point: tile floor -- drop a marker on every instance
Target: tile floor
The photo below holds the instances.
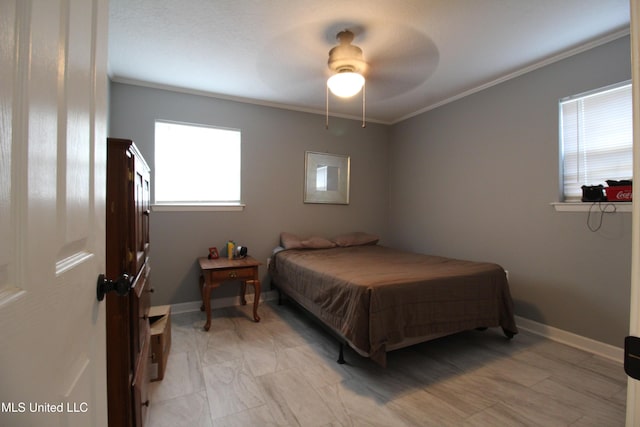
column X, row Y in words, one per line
column 282, row 372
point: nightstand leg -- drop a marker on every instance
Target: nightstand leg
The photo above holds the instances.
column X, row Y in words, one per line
column 201, row 282
column 256, row 299
column 243, row 290
column 206, row 297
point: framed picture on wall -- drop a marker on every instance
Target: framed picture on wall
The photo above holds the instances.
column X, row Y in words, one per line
column 326, row 178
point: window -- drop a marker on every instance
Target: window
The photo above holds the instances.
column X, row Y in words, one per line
column 596, row 138
column 196, row 165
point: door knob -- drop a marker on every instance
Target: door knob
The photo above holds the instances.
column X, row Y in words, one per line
column 120, row 285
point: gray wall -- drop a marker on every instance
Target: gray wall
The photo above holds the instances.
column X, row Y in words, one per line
column 473, row 179
column 274, row 142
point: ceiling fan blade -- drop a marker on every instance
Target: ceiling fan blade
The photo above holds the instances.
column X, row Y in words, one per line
column 393, row 71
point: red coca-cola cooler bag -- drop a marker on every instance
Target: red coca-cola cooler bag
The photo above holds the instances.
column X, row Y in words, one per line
column 619, row 191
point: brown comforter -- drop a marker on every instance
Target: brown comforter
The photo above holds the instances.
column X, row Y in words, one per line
column 376, row 297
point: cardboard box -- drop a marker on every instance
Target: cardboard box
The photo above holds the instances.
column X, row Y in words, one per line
column 619, row 193
column 160, row 319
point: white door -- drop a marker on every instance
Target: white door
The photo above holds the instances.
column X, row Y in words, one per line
column 53, row 100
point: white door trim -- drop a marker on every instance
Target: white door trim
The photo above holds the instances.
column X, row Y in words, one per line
column 633, row 386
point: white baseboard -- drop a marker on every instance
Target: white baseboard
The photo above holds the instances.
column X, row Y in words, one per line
column 216, row 303
column 601, row 349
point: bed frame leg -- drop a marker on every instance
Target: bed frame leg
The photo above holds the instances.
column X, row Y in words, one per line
column 341, row 355
column 508, row 334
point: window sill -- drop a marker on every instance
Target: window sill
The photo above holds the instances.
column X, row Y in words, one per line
column 199, row 208
column 585, row 206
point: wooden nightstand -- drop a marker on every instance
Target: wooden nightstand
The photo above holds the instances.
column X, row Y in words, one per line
column 214, row 272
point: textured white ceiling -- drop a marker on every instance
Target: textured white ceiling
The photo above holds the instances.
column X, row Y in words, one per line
column 421, row 53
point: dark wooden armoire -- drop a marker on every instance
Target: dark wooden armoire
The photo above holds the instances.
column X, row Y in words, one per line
column 127, row 316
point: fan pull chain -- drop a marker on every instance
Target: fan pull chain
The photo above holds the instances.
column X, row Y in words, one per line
column 364, row 87
column 326, row 123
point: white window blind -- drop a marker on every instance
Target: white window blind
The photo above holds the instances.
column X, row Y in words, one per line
column 196, row 165
column 596, row 138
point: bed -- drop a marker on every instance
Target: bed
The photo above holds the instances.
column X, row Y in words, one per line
column 378, row 299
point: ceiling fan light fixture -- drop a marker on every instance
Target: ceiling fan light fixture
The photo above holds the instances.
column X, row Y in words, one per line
column 345, row 84
column 346, row 61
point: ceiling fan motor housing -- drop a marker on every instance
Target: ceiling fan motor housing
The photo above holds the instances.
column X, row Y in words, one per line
column 345, row 56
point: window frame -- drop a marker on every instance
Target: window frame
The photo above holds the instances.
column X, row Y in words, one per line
column 177, row 206
column 570, row 203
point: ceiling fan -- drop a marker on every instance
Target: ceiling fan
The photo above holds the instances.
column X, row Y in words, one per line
column 392, row 58
column 348, row 65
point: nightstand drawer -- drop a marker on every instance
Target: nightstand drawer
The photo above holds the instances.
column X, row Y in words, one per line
column 232, row 274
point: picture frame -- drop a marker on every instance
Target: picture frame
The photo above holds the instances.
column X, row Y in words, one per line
column 327, row 178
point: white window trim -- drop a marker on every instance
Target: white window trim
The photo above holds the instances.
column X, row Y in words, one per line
column 198, row 207
column 571, row 204
column 194, row 206
column 622, row 207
